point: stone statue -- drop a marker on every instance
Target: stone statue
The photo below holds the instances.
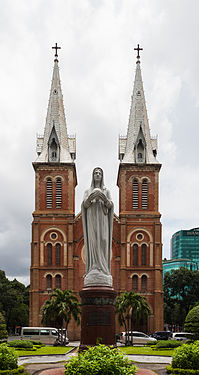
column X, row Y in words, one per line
column 97, row 218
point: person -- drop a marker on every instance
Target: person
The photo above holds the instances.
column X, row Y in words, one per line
column 97, row 218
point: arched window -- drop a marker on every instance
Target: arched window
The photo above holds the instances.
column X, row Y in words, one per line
column 144, row 283
column 135, row 283
column 143, row 254
column 49, row 193
column 58, row 254
column 58, row 193
column 49, row 254
column 48, row 282
column 135, row 254
column 135, row 193
column 144, row 194
column 58, row 281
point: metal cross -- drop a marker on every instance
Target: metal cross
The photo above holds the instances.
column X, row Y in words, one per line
column 138, row 49
column 56, row 48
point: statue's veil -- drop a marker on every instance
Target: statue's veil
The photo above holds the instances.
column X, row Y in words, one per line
column 93, row 182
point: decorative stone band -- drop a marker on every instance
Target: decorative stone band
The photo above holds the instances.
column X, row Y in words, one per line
column 98, row 301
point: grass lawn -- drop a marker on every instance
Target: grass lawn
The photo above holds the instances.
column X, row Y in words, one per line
column 46, row 350
column 145, row 350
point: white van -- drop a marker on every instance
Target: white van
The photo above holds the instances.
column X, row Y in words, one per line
column 47, row 335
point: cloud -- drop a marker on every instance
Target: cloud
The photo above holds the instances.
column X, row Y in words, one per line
column 97, row 65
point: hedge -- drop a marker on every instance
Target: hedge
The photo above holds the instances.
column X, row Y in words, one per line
column 162, row 344
column 21, row 344
column 19, row 370
column 180, row 371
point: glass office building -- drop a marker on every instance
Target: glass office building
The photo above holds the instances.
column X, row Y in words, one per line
column 175, row 264
column 185, row 244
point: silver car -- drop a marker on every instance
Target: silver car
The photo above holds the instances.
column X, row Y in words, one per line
column 138, row 338
column 181, row 336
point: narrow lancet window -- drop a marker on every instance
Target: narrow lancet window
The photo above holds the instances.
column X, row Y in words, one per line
column 58, row 254
column 48, row 282
column 58, row 281
column 143, row 254
column 135, row 193
column 135, row 254
column 135, row 283
column 49, row 254
column 144, row 194
column 58, row 193
column 144, row 283
column 49, row 189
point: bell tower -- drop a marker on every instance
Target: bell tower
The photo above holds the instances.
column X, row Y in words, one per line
column 138, row 182
column 53, row 217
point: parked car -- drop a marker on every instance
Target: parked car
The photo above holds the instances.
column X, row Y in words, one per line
column 161, row 335
column 138, row 338
column 181, row 336
column 47, row 335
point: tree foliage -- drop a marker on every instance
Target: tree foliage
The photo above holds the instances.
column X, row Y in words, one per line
column 131, row 308
column 3, row 330
column 62, row 306
column 192, row 322
column 14, row 300
column 181, row 292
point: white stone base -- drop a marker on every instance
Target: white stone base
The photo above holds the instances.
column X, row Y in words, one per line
column 98, row 278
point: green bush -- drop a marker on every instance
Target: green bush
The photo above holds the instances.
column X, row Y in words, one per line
column 19, row 370
column 186, row 357
column 38, row 343
column 8, row 358
column 162, row 344
column 21, row 344
column 100, row 360
column 3, row 330
column 192, row 322
column 180, row 371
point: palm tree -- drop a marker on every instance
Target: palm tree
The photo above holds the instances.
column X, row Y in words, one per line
column 131, row 307
column 62, row 306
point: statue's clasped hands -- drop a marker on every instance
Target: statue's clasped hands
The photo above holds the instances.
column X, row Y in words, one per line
column 97, row 194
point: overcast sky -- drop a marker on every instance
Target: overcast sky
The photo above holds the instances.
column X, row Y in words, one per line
column 97, row 67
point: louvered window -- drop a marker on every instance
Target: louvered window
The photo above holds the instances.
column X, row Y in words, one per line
column 144, row 194
column 143, row 254
column 135, row 193
column 144, row 283
column 135, row 254
column 135, row 283
column 58, row 254
column 49, row 254
column 58, row 193
column 49, row 193
column 48, row 282
column 58, row 281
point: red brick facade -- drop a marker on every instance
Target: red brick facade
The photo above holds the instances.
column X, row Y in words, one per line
column 136, row 251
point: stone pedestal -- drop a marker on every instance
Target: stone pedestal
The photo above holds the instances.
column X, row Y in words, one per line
column 98, row 316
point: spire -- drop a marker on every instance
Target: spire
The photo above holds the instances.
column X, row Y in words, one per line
column 138, row 146
column 55, row 145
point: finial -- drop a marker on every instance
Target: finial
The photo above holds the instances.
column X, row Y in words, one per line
column 138, row 55
column 56, row 48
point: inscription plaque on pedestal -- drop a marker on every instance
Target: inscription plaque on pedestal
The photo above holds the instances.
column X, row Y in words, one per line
column 99, row 318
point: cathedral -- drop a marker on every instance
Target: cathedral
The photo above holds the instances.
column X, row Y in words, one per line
column 57, row 247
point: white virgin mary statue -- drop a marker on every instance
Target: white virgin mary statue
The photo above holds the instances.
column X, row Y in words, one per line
column 97, row 218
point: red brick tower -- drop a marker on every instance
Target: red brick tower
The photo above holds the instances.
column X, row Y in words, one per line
column 138, row 180
column 53, row 218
